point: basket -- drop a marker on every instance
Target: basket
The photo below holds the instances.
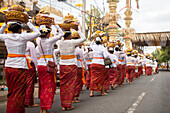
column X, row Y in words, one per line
column 18, row 16
column 67, row 27
column 44, row 20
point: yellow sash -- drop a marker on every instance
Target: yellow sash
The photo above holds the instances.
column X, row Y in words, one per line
column 89, row 60
column 120, row 60
column 83, row 78
column 47, row 56
column 66, row 57
column 12, row 55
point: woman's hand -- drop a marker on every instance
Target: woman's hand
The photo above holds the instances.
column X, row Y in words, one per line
column 57, row 26
column 6, row 20
column 88, row 72
column 56, row 69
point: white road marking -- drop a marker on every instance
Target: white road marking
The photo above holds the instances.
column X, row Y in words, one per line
column 153, row 79
column 135, row 104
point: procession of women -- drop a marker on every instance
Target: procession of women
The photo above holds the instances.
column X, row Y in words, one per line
column 98, row 66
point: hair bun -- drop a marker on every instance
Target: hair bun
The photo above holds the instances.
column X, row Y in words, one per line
column 14, row 27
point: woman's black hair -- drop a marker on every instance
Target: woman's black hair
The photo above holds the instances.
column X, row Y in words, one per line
column 111, row 51
column 117, row 48
column 75, row 38
column 101, row 39
column 44, row 34
column 14, row 27
column 67, row 34
column 48, row 30
column 89, row 49
column 98, row 42
column 128, row 54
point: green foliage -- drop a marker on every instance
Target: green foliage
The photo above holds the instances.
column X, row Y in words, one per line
column 162, row 55
column 96, row 19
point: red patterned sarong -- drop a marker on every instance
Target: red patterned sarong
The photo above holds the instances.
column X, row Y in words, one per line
column 47, row 87
column 136, row 74
column 98, row 77
column 107, row 81
column 130, row 72
column 88, row 77
column 123, row 73
column 16, row 83
column 139, row 71
column 68, row 74
column 29, row 99
column 119, row 74
column 79, row 83
column 148, row 70
column 113, row 75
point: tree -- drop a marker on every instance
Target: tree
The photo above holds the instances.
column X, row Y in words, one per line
column 163, row 55
column 96, row 19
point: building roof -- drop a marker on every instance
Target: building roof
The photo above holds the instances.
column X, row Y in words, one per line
column 151, row 39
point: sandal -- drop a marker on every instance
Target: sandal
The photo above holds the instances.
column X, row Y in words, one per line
column 76, row 101
column 103, row 94
column 34, row 105
column 112, row 87
column 91, row 95
column 66, row 108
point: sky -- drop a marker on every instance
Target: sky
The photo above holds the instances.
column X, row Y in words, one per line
column 153, row 15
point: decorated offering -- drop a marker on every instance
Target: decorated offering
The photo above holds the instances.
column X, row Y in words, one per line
column 17, row 14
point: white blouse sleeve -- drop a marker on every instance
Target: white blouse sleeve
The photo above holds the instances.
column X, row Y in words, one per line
column 33, row 54
column 92, row 44
column 105, row 53
column 4, row 26
column 31, row 36
column 38, row 52
column 2, row 36
column 79, row 41
column 58, row 37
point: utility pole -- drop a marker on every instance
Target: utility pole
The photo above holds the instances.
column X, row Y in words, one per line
column 90, row 20
column 50, row 6
column 103, row 7
column 83, row 17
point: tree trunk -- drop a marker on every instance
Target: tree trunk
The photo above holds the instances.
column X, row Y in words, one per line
column 167, row 66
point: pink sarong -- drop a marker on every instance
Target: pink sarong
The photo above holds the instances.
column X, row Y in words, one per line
column 123, row 73
column 47, row 87
column 119, row 74
column 113, row 76
column 16, row 83
column 97, row 77
column 139, row 71
column 88, row 77
column 135, row 74
column 68, row 74
column 148, row 70
column 29, row 99
column 107, row 81
column 79, row 83
column 130, row 73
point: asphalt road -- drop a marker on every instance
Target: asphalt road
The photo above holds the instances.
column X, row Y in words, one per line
column 146, row 95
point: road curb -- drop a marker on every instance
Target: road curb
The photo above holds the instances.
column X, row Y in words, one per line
column 3, row 98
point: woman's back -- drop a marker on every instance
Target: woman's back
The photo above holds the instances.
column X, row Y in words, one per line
column 16, row 44
column 99, row 53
